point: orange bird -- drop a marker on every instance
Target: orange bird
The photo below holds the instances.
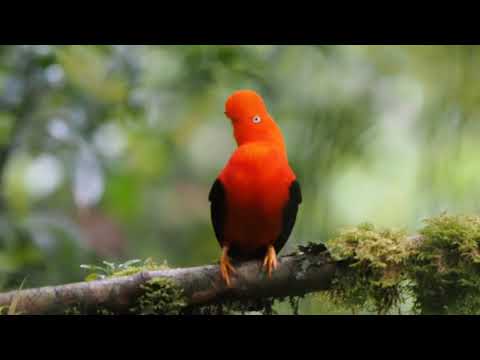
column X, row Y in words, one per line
column 255, row 199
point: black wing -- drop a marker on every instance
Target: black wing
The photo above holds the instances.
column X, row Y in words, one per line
column 289, row 215
column 217, row 209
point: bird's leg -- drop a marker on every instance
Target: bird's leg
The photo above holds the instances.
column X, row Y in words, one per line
column 270, row 261
column 226, row 267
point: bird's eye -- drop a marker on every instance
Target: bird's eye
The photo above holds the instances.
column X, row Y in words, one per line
column 256, row 119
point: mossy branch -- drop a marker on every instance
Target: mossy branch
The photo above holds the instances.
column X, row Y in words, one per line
column 363, row 268
column 296, row 275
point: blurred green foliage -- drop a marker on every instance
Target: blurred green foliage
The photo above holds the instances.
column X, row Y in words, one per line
column 108, row 152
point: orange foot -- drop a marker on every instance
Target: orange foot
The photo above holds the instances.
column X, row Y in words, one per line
column 270, row 261
column 226, row 268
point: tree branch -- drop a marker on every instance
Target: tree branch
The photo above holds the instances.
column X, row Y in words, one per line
column 296, row 274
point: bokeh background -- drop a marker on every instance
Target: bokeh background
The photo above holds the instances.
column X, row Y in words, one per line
column 108, row 152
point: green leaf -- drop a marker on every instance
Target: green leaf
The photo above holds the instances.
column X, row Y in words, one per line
column 129, row 263
column 109, row 264
column 92, row 277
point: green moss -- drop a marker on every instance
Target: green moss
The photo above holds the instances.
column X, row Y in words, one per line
column 235, row 307
column 162, row 296
column 104, row 311
column 372, row 263
column 446, row 268
column 81, row 310
column 73, row 310
column 379, row 269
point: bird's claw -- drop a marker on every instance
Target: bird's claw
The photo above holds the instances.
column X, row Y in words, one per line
column 270, row 262
column 226, row 268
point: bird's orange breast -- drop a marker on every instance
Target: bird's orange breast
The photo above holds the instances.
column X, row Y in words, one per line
column 256, row 181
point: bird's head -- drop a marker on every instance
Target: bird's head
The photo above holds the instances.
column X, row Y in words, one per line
column 251, row 120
